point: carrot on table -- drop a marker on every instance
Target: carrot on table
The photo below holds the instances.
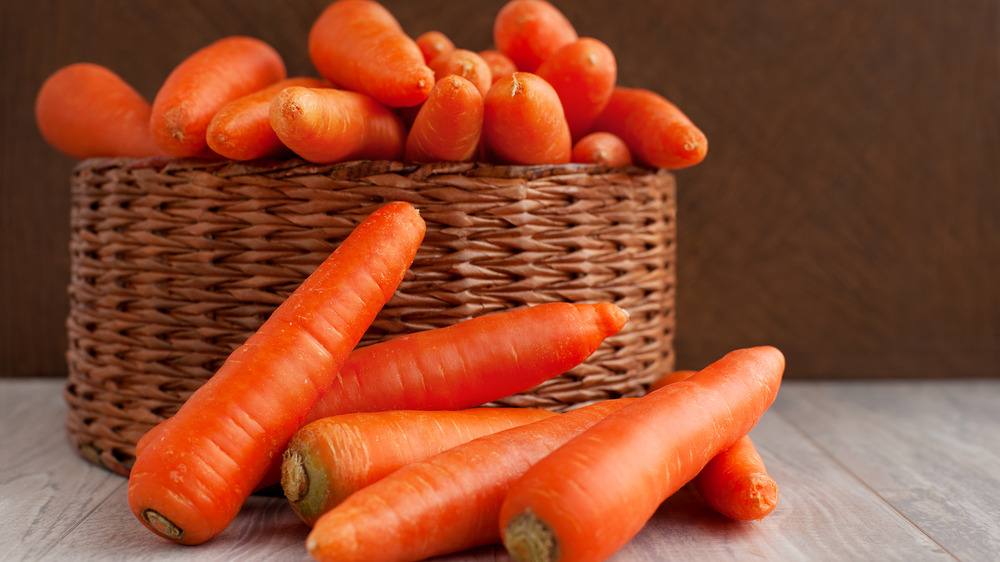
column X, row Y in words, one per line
column 447, row 502
column 583, row 73
column 587, row 499
column 241, row 130
column 86, row 110
column 499, row 63
column 324, row 125
column 659, row 134
column 449, row 124
column 433, row 43
column 333, row 457
column 736, row 483
column 601, row 148
column 524, row 122
column 465, row 63
column 530, row 31
column 201, row 84
column 358, row 45
column 192, row 477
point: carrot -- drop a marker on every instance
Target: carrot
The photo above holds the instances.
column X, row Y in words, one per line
column 587, row 499
column 358, row 45
column 670, row 378
column 447, row 502
column 201, row 84
column 189, row 482
column 524, row 122
column 325, row 125
column 656, row 131
column 601, row 148
column 530, row 31
column 433, row 43
column 449, row 124
column 736, row 484
column 85, row 110
column 331, row 458
column 499, row 63
column 583, row 73
column 464, row 63
column 241, row 129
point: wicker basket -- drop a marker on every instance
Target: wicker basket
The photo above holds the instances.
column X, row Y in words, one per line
column 176, row 262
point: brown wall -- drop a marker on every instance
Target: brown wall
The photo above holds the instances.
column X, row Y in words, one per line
column 848, row 212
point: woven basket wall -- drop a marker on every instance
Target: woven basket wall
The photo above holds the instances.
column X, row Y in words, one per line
column 176, row 262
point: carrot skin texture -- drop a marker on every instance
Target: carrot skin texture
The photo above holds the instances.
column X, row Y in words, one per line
column 658, row 133
column 587, row 499
column 86, row 110
column 241, row 130
column 447, row 502
column 197, row 88
column 449, row 124
column 524, row 122
column 583, row 73
column 530, row 31
column 191, row 479
column 434, row 43
column 324, row 125
column 735, row 483
column 358, row 45
column 601, row 148
column 499, row 63
column 333, row 457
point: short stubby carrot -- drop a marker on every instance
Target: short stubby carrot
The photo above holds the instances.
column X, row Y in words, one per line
column 192, row 477
column 465, row 63
column 331, row 458
column 359, row 45
column 86, row 110
column 583, row 73
column 587, row 499
column 324, row 125
column 434, row 43
column 447, row 502
column 736, row 483
column 530, row 31
column 524, row 122
column 449, row 124
column 601, row 148
column 197, row 88
column 499, row 63
column 658, row 133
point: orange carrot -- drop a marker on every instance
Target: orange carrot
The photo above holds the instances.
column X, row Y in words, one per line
column 85, row 110
column 524, row 122
column 331, row 458
column 434, row 43
column 601, row 148
column 656, row 131
column 358, row 45
column 464, row 63
column 208, row 79
column 736, row 484
column 447, row 502
column 241, row 129
column 325, row 125
column 530, row 31
column 670, row 378
column 583, row 73
column 500, row 64
column 449, row 124
column 189, row 482
column 590, row 497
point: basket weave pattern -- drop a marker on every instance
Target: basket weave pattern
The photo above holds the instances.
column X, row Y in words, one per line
column 174, row 263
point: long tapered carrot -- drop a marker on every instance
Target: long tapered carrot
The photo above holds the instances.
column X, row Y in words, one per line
column 358, row 45
column 524, row 122
column 85, row 110
column 203, row 83
column 601, row 148
column 530, row 31
column 331, row 458
column 190, row 481
column 465, row 63
column 449, row 124
column 241, row 130
column 325, row 125
column 447, row 502
column 587, row 499
column 658, row 133
column 583, row 73
column 736, row 483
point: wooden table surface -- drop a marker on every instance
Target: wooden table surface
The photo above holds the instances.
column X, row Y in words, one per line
column 868, row 470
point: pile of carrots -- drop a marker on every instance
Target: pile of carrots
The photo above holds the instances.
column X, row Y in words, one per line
column 542, row 96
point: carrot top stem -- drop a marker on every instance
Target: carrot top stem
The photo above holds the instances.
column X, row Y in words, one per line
column 529, row 538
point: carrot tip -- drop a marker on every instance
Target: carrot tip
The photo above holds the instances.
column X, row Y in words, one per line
column 529, row 539
column 161, row 525
column 294, row 478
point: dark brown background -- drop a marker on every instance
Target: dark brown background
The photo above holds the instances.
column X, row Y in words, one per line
column 848, row 211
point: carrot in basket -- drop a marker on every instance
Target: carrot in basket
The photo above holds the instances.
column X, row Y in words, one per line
column 530, row 31
column 524, row 122
column 464, row 63
column 433, row 43
column 358, row 45
column 449, row 124
column 191, row 479
column 583, row 73
column 324, row 125
column 447, row 502
column 85, row 110
column 601, row 148
column 333, row 457
column 499, row 63
column 656, row 131
column 206, row 80
column 591, row 496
